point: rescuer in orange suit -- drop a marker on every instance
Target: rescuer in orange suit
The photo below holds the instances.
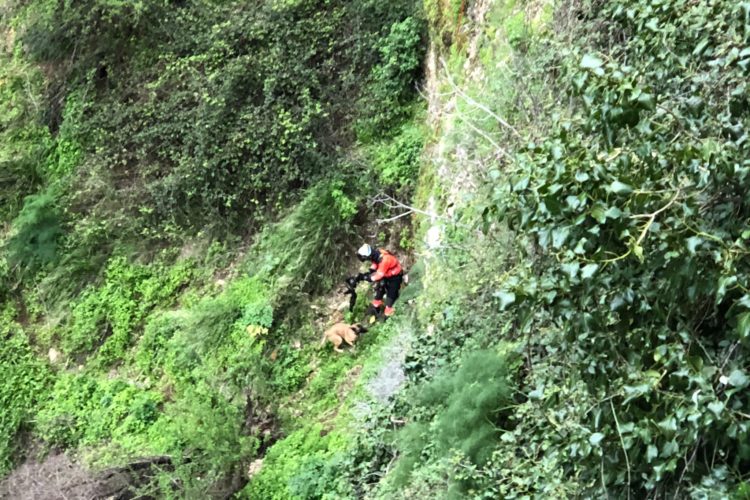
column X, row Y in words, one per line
column 385, row 273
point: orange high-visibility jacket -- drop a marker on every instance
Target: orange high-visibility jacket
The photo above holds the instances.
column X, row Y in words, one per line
column 388, row 267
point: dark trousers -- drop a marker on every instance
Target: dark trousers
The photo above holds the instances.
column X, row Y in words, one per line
column 389, row 288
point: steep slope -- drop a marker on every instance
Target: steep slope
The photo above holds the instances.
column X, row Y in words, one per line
column 572, row 206
column 581, row 328
column 181, row 182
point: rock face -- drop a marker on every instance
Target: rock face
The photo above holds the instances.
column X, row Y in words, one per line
column 59, row 477
column 254, row 468
column 391, row 376
column 54, row 355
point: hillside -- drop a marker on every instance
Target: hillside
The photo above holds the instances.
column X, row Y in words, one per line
column 185, row 184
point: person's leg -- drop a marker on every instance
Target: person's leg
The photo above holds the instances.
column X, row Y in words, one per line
column 392, row 287
column 377, row 302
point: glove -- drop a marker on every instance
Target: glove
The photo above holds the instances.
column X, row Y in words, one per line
column 364, row 277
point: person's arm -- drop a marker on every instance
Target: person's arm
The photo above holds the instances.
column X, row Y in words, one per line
column 381, row 269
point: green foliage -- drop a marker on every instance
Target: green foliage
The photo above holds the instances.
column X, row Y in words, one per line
column 25, row 383
column 466, row 405
column 397, row 161
column 203, row 430
column 211, row 339
column 92, row 30
column 152, row 119
column 392, row 85
column 346, row 206
column 23, row 139
column 516, row 30
column 305, row 465
column 36, row 231
column 85, row 410
column 68, row 151
column 630, row 214
column 107, row 316
column 153, row 347
column 301, row 251
column 212, row 127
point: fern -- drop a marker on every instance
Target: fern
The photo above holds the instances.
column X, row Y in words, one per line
column 465, row 404
column 37, row 229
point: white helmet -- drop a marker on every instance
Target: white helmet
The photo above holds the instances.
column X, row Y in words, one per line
column 364, row 252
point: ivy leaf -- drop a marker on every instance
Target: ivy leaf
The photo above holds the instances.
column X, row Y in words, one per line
column 521, row 184
column 738, row 379
column 668, row 425
column 692, row 243
column 613, row 213
column 618, row 187
column 559, row 235
column 744, row 301
column 596, row 438
column 590, row 61
column 651, row 453
column 589, row 270
column 716, row 407
column 573, row 202
column 599, row 214
column 724, row 283
column 743, row 325
column 506, row 298
column 571, row 269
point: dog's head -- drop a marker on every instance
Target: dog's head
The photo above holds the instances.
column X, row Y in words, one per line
column 358, row 328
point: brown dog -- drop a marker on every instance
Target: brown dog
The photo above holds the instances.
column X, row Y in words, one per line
column 342, row 332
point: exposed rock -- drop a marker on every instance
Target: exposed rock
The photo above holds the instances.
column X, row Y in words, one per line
column 254, row 468
column 54, row 355
column 59, row 477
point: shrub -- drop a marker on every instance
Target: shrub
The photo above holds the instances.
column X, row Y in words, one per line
column 36, row 231
column 26, row 382
column 215, row 128
column 630, row 214
column 392, row 85
column 153, row 347
column 108, row 316
column 86, row 410
column 303, row 465
column 203, row 431
column 303, row 251
column 397, row 161
column 466, row 405
column 24, row 140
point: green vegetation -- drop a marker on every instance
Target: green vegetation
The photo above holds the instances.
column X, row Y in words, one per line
column 469, row 403
column 397, row 161
column 180, row 183
column 25, row 381
column 184, row 185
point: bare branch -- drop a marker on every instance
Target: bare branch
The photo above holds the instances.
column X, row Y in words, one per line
column 475, row 103
column 394, row 204
column 498, row 148
column 391, row 219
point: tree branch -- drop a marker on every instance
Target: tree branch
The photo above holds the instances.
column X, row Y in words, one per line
column 393, row 204
column 476, row 104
